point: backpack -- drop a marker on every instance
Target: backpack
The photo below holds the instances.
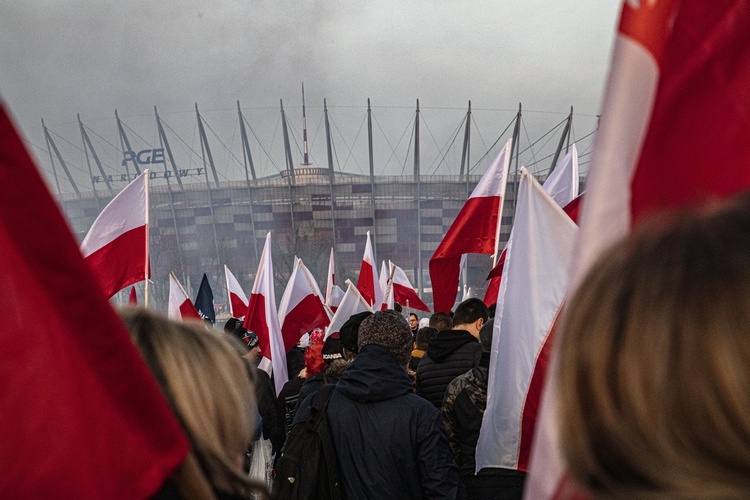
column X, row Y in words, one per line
column 308, row 468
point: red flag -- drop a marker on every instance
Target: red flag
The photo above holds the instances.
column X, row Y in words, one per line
column 368, row 283
column 116, row 246
column 263, row 318
column 301, row 309
column 81, row 416
column 237, row 297
column 673, row 131
column 475, row 230
column 133, row 299
column 180, row 305
column 404, row 293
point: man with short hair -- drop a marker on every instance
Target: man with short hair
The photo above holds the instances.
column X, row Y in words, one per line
column 424, row 335
column 441, row 321
column 413, row 324
column 389, row 442
column 452, row 352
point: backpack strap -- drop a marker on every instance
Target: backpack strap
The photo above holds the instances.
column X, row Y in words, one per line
column 319, row 422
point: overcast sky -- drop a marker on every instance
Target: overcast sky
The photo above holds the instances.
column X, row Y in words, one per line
column 63, row 57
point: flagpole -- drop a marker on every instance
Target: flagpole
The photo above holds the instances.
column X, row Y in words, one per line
column 145, row 264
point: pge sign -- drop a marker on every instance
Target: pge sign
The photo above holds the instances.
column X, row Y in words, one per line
column 143, row 157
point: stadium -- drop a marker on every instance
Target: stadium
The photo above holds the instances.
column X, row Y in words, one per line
column 207, row 212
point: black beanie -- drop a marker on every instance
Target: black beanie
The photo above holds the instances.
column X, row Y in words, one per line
column 349, row 332
column 332, row 348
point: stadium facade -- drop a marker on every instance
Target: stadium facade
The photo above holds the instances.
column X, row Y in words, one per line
column 198, row 223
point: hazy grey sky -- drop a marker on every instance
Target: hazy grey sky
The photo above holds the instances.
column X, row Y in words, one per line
column 62, row 57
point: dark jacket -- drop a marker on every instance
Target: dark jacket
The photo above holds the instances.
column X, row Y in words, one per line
column 311, row 386
column 451, row 353
column 390, row 443
column 463, row 409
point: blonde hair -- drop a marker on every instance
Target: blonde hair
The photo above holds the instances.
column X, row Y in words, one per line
column 207, row 384
column 654, row 366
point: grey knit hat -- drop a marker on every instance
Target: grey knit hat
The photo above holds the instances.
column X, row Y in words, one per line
column 390, row 330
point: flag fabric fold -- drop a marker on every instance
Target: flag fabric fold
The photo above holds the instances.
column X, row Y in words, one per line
column 532, row 291
column 475, row 230
column 334, row 293
column 351, row 304
column 204, row 301
column 180, row 305
column 404, row 293
column 116, row 246
column 677, row 81
column 133, row 298
column 237, row 297
column 71, row 400
column 301, row 309
column 262, row 317
column 368, row 282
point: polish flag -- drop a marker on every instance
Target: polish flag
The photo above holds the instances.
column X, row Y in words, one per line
column 368, row 283
column 82, row 415
column 237, row 297
column 678, row 81
column 538, row 257
column 301, row 309
column 180, row 305
column 133, row 299
column 386, row 284
column 116, row 246
column 352, row 303
column 334, row 293
column 562, row 186
column 263, row 318
column 404, row 293
column 475, row 230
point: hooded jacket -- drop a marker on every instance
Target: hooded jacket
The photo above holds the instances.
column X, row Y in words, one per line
column 451, row 353
column 390, row 443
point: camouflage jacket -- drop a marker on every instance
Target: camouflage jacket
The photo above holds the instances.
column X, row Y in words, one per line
column 463, row 407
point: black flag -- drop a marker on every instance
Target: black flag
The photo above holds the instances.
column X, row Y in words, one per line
column 204, row 301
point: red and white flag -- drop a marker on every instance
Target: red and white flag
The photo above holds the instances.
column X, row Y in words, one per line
column 237, row 297
column 334, row 293
column 562, row 186
column 116, row 246
column 262, row 318
column 74, row 400
column 404, row 293
column 537, row 260
column 352, row 303
column 180, row 305
column 678, row 82
column 133, row 298
column 386, row 284
column 368, row 282
column 301, row 309
column 475, row 230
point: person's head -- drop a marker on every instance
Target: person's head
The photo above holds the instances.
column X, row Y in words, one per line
column 470, row 315
column 206, row 383
column 349, row 334
column 249, row 340
column 654, row 362
column 314, row 358
column 424, row 335
column 413, row 321
column 485, row 335
column 390, row 330
column 441, row 321
column 332, row 349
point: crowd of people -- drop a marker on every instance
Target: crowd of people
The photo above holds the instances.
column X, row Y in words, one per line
column 652, row 371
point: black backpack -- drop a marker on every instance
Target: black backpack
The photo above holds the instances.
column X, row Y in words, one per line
column 308, row 468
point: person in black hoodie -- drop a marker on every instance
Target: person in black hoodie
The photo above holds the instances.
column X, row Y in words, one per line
column 389, row 442
column 452, row 352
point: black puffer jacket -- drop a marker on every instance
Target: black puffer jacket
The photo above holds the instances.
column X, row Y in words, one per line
column 390, row 443
column 451, row 353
